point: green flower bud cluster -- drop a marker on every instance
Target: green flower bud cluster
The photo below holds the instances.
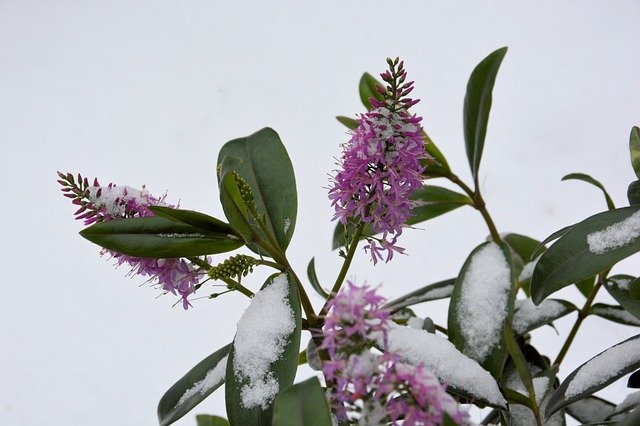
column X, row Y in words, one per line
column 246, row 193
column 235, row 266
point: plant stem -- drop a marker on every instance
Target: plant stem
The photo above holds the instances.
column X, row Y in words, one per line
column 345, row 268
column 584, row 312
column 478, row 204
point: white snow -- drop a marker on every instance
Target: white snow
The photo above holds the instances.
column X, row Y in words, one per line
column 263, row 331
column 113, row 199
column 287, row 225
column 439, row 356
column 616, row 235
column 604, row 366
column 527, row 270
column 590, row 408
column 523, row 416
column 630, row 402
column 528, row 314
column 622, row 283
column 620, row 314
column 482, row 307
column 415, row 322
column 214, row 377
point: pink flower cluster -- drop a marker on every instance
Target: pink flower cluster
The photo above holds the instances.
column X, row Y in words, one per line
column 372, row 388
column 112, row 202
column 380, row 166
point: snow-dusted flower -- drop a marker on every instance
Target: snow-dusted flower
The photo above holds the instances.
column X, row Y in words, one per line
column 377, row 388
column 380, row 166
column 112, row 202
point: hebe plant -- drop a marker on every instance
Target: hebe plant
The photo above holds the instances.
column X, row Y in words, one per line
column 378, row 363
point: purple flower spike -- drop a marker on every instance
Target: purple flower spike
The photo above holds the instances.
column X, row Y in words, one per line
column 380, row 166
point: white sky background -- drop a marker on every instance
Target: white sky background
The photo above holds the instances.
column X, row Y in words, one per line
column 147, row 92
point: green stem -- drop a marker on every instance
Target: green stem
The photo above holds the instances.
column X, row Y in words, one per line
column 235, row 285
column 345, row 268
column 584, row 312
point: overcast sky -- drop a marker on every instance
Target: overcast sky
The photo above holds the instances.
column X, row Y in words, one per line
column 143, row 92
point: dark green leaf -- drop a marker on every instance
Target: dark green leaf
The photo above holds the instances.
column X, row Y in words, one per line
column 492, row 418
column 283, row 369
column 519, row 361
column 367, row 90
column 594, row 182
column 192, row 389
column 597, row 373
column 431, row 201
column 267, row 169
column 541, row 247
column 313, row 279
column 590, row 410
column 522, row 245
column 633, row 193
column 587, row 249
column 350, row 123
column 313, row 358
column 470, row 318
column 634, row 289
column 514, row 397
column 634, row 380
column 157, row 237
column 586, row 286
column 194, row 218
column 439, row 290
column 438, row 168
column 615, row 314
column 302, row 404
column 207, row 420
column 634, row 149
column 477, row 105
column 618, row 287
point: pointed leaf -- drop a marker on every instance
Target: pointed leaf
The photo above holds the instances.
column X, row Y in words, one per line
column 618, row 287
column 477, row 105
column 264, row 356
column 586, row 178
column 313, row 279
column 267, row 169
column 483, row 298
column 590, row 410
column 302, row 404
column 157, row 237
column 207, row 376
column 522, row 245
column 634, row 149
column 439, row 290
column 194, row 218
column 615, row 314
column 367, row 89
column 588, row 248
column 207, row 420
column 559, row 233
column 350, row 123
column 597, row 373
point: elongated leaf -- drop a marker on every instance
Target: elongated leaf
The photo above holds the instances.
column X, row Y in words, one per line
column 634, row 149
column 597, row 373
column 615, row 314
column 266, row 167
column 440, row 167
column 464, row 376
column 313, row 279
column 618, row 287
column 350, row 123
column 302, row 404
column 586, row 286
column 483, row 298
column 522, row 245
column 588, row 248
column 477, row 106
column 207, row 376
column 207, row 420
column 194, row 218
column 541, row 247
column 367, row 89
column 586, row 178
column 633, row 193
column 439, row 290
column 157, row 237
column 634, row 289
column 264, row 356
column 431, row 201
column 528, row 316
column 590, row 410
column 518, row 360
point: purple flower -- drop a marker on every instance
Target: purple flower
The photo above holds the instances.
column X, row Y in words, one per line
column 380, row 166
column 112, row 202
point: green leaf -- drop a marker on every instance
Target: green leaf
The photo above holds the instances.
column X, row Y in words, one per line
column 266, row 167
column 618, row 287
column 313, row 279
column 350, row 123
column 441, row 167
column 615, row 314
column 477, row 105
column 367, row 90
column 483, row 298
column 194, row 218
column 633, row 193
column 519, row 361
column 634, row 289
column 522, row 245
column 587, row 249
column 586, row 286
column 590, row 410
column 157, row 237
column 283, row 369
column 515, row 397
column 439, row 290
column 302, row 404
column 597, row 373
column 594, row 182
column 192, row 388
column 528, row 317
column 431, row 201
column 542, row 247
column 234, row 207
column 207, row 420
column 634, row 149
